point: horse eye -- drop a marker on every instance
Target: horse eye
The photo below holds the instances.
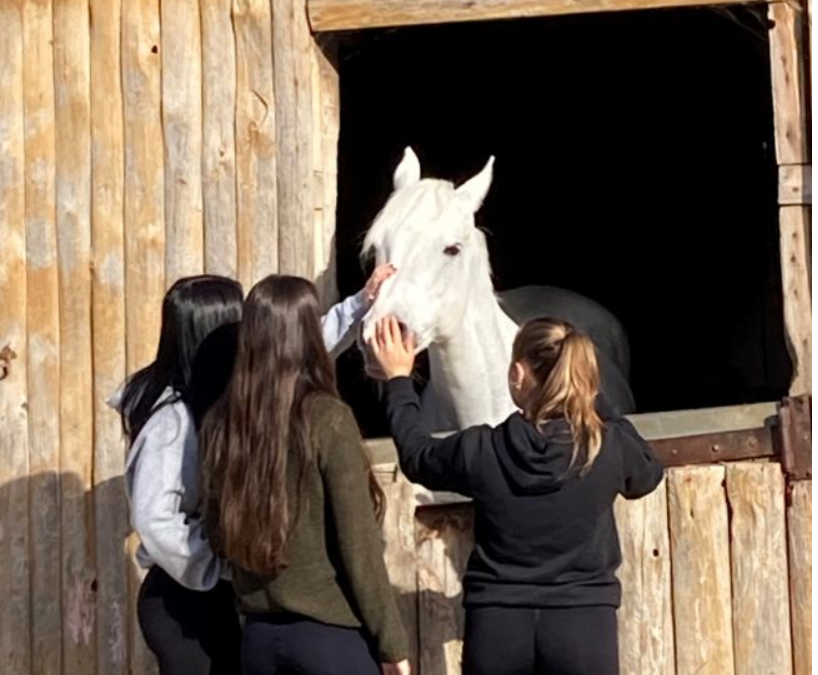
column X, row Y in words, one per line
column 452, row 250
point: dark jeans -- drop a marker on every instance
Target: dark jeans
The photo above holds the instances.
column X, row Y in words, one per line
column 190, row 632
column 284, row 644
column 547, row 641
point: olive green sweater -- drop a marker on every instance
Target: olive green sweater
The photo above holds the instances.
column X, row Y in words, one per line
column 335, row 570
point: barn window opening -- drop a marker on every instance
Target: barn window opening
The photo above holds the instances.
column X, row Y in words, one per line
column 634, row 164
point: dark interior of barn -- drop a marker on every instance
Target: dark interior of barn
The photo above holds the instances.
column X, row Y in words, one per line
column 634, row 164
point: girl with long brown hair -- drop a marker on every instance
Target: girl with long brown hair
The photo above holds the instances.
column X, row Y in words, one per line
column 291, row 502
column 540, row 588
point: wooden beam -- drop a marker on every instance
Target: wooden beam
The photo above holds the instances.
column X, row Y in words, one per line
column 326, row 126
column 789, row 83
column 144, row 214
column 292, row 61
column 107, row 184
column 699, row 542
column 799, row 537
column 796, row 269
column 758, row 556
column 795, row 184
column 15, row 570
column 42, row 309
column 219, row 138
column 646, row 640
column 72, row 82
column 337, row 15
column 181, row 52
column 257, row 219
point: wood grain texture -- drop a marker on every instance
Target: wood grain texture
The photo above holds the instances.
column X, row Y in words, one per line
column 789, row 83
column 143, row 225
column 108, row 316
column 15, row 570
column 799, row 538
column 699, row 540
column 42, row 310
column 444, row 542
column 72, row 82
column 398, row 530
column 257, row 219
column 219, row 138
column 794, row 184
column 758, row 555
column 646, row 640
column 796, row 265
column 181, row 52
column 336, row 15
column 292, row 62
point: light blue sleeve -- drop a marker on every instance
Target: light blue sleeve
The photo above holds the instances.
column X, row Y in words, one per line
column 338, row 323
column 159, row 471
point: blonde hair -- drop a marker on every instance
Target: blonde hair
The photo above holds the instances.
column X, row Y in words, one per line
column 564, row 365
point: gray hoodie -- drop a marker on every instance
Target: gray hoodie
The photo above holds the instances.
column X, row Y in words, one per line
column 162, row 476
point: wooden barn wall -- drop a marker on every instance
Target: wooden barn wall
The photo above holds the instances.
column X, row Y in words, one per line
column 143, row 140
column 140, row 141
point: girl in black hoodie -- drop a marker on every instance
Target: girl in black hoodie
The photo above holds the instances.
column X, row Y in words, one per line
column 540, row 589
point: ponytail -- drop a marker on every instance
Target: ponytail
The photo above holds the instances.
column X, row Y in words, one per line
column 564, row 364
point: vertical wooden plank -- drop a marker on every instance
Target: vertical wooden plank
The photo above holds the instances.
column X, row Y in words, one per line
column 444, row 541
column 799, row 536
column 399, row 539
column 758, row 555
column 14, row 537
column 646, row 641
column 795, row 270
column 108, row 316
column 292, row 45
column 73, row 184
column 219, row 138
column 789, row 83
column 182, row 125
column 42, row 309
column 326, row 125
column 257, row 220
column 699, row 544
column 143, row 221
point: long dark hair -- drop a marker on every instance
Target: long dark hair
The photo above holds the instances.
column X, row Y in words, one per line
column 192, row 308
column 255, row 441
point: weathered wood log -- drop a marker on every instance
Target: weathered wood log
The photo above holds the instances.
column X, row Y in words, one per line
column 72, row 79
column 257, row 220
column 42, row 308
column 292, row 45
column 799, row 536
column 107, row 180
column 758, row 554
column 646, row 640
column 15, row 570
column 336, row 15
column 182, row 128
column 219, row 138
column 699, row 542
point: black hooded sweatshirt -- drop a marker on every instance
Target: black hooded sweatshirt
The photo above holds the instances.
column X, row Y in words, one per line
column 545, row 536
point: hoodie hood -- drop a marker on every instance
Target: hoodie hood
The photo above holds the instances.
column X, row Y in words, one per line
column 538, row 462
column 534, row 462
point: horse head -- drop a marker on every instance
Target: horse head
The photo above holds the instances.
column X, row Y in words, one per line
column 426, row 230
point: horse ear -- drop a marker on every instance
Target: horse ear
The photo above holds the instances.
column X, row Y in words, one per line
column 474, row 190
column 408, row 171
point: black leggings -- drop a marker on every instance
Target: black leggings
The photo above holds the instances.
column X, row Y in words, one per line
column 285, row 644
column 552, row 641
column 190, row 632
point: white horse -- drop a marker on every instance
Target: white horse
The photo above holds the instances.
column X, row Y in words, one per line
column 443, row 293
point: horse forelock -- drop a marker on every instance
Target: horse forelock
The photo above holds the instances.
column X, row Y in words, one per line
column 410, row 210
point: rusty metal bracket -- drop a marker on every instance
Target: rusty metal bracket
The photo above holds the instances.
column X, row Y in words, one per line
column 728, row 446
column 795, row 428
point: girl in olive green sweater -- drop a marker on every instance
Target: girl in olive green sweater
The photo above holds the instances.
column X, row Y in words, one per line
column 291, row 502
